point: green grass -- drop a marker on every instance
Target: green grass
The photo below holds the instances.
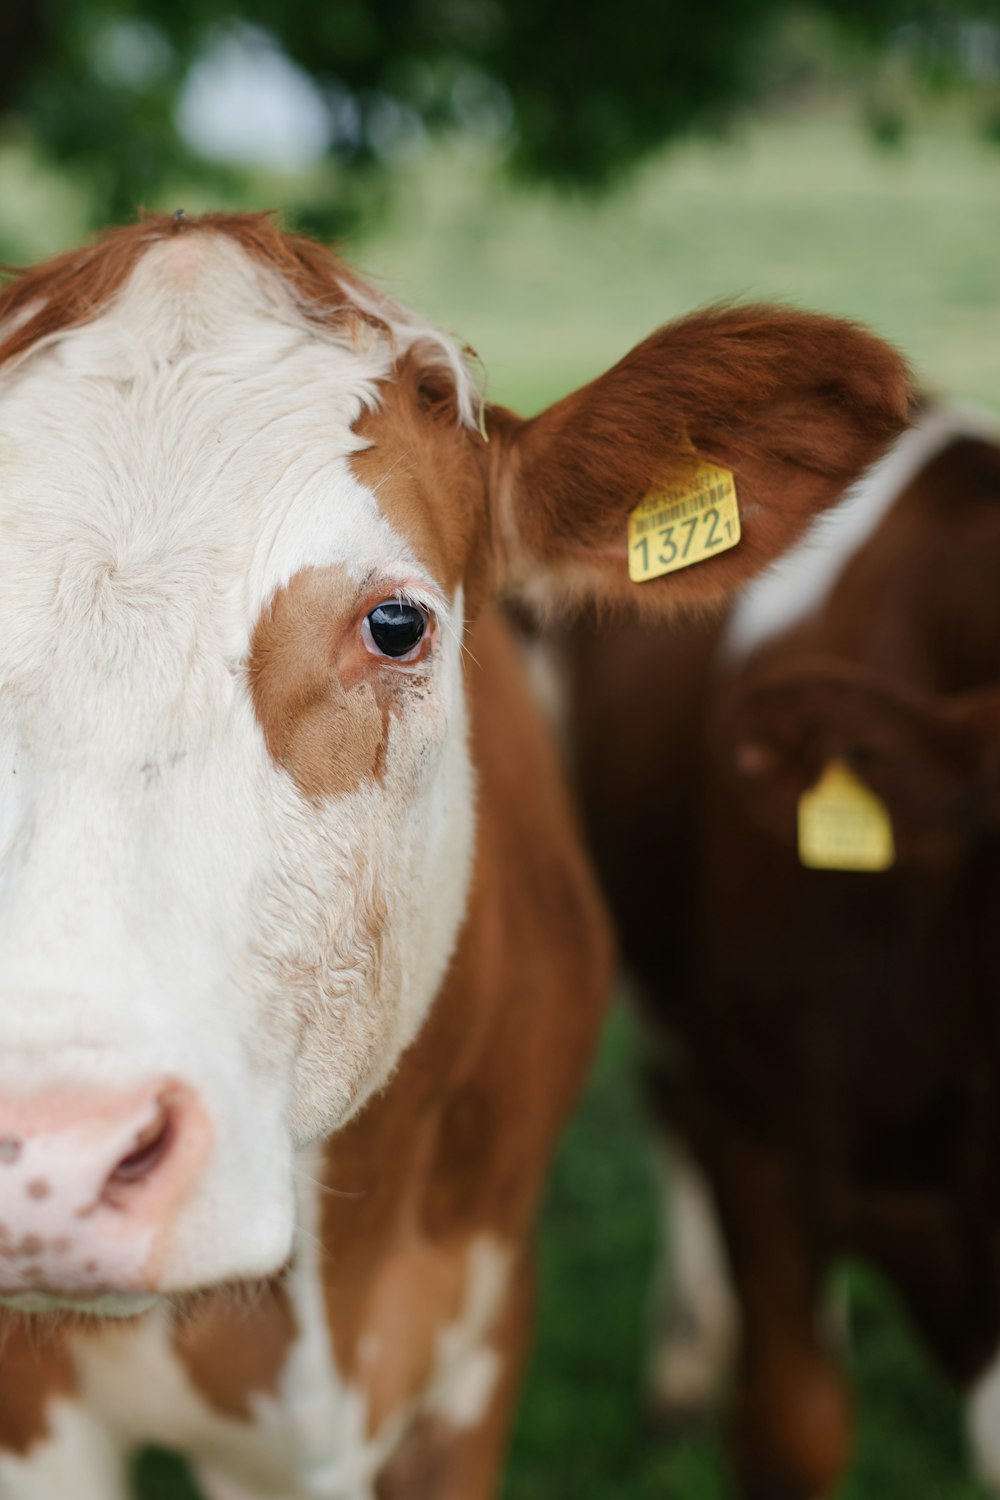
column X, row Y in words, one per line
column 550, row 293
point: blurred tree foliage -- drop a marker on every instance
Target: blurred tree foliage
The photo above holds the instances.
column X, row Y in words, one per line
column 577, row 91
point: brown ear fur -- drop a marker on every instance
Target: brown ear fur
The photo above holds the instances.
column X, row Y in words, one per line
column 795, row 404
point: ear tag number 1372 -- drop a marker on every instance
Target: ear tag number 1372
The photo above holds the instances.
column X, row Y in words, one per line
column 683, row 523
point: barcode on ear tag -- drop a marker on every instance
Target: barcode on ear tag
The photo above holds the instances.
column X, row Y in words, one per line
column 843, row 825
column 683, row 523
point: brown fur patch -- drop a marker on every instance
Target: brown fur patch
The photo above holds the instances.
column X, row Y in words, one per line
column 35, row 1367
column 232, row 1352
column 322, row 700
column 422, row 467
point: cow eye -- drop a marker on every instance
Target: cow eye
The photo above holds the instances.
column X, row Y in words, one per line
column 395, row 628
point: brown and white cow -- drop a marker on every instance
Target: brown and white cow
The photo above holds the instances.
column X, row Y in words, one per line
column 826, row 1042
column 301, row 960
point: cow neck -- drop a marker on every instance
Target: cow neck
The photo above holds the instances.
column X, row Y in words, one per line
column 456, row 1146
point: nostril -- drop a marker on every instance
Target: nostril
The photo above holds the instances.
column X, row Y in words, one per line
column 147, row 1151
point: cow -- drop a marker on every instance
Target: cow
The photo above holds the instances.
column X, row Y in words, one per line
column 822, row 1021
column 301, row 956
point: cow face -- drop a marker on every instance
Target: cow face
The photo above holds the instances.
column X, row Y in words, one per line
column 931, row 758
column 237, row 800
column 246, row 519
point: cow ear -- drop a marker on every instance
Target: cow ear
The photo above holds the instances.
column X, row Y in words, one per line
column 927, row 758
column 794, row 405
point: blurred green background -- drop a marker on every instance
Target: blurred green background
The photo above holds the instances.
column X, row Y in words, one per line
column 856, row 181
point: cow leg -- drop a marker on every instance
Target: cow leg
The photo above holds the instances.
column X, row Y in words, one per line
column 983, row 1420
column 696, row 1316
column 792, row 1420
column 460, row 1456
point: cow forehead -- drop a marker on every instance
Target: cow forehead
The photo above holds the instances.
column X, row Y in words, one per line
column 166, row 468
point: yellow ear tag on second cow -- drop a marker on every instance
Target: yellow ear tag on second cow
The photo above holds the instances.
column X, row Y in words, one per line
column 683, row 522
column 843, row 825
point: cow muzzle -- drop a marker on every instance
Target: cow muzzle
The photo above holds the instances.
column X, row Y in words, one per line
column 90, row 1183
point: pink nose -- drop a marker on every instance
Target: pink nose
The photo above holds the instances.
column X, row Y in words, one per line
column 88, row 1185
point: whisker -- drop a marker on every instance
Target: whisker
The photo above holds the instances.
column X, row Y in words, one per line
column 324, row 1187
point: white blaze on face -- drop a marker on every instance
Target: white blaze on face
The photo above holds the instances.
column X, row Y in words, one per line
column 171, row 904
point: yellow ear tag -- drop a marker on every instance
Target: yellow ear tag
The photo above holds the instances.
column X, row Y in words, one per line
column 843, row 825
column 683, row 523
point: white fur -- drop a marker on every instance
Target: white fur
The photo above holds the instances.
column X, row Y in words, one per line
column 468, row 1366
column 307, row 1440
column 798, row 583
column 133, row 1383
column 310, row 1439
column 983, row 1419
column 170, row 903
column 547, row 671
column 78, row 1458
column 337, row 1460
column 697, row 1316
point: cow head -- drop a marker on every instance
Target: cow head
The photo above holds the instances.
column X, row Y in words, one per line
column 249, row 512
column 933, row 759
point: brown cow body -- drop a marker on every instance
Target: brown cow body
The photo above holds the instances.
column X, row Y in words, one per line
column 826, row 1043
